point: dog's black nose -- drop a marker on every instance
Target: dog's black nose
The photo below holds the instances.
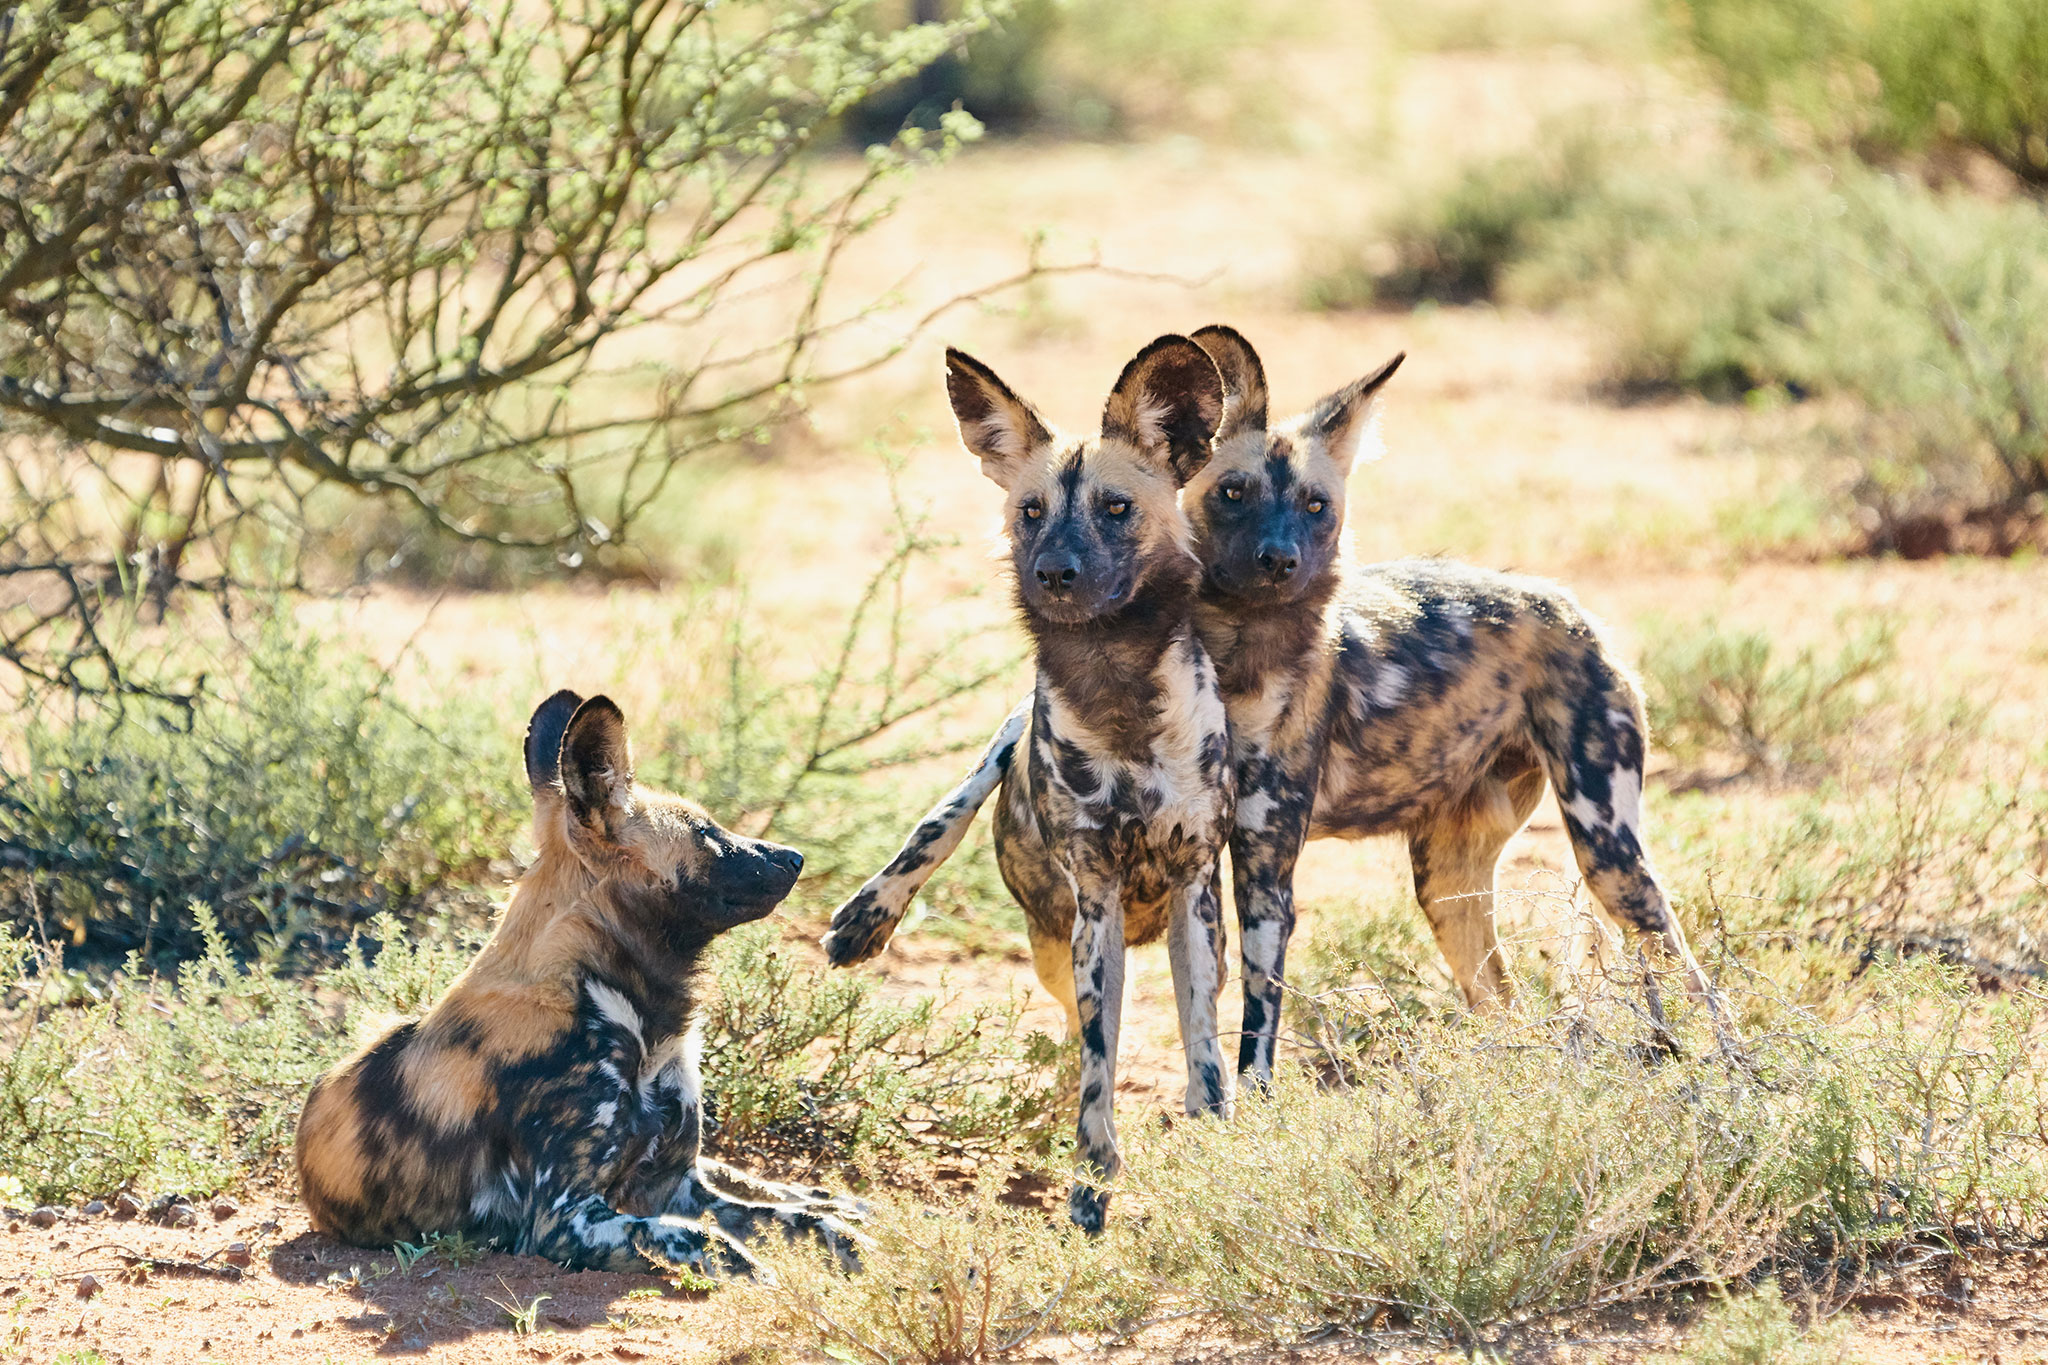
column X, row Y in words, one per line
column 1279, row 562
column 788, row 859
column 1056, row 573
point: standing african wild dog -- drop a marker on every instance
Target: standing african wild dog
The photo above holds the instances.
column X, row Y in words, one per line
column 549, row 1101
column 1422, row 698
column 1111, row 830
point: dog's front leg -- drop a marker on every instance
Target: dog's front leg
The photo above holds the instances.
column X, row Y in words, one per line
column 1194, row 945
column 578, row 1229
column 1272, row 822
column 745, row 1207
column 1098, row 1000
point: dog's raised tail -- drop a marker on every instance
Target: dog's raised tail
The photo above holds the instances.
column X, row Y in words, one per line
column 862, row 927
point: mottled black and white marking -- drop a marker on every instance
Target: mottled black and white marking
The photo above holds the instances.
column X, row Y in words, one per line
column 1111, row 830
column 549, row 1103
column 1421, row 698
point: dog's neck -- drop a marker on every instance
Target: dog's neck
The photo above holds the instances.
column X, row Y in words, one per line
column 654, row 967
column 561, row 898
column 1106, row 671
column 1255, row 642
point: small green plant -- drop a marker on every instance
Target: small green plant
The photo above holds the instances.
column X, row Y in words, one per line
column 1713, row 690
column 1757, row 1328
column 523, row 1314
column 1456, row 243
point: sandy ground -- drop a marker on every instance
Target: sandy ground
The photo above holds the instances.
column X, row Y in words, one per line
column 169, row 1296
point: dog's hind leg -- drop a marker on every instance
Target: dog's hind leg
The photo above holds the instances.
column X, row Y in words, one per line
column 1194, row 945
column 862, row 926
column 1593, row 741
column 1455, row 855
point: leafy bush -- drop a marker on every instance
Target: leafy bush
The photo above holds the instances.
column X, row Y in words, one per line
column 1925, row 314
column 1475, row 1171
column 805, row 1057
column 951, row 1286
column 1887, row 78
column 361, row 250
column 298, row 800
column 185, row 1084
column 1456, row 243
column 1757, row 1329
column 1085, row 67
column 1713, row 690
column 1937, row 857
column 1454, row 1173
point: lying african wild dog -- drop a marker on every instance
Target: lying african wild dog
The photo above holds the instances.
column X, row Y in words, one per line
column 1111, row 830
column 549, row 1101
column 1420, row 697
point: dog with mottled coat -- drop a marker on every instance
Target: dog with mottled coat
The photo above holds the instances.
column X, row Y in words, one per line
column 549, row 1103
column 1110, row 831
column 1421, row 698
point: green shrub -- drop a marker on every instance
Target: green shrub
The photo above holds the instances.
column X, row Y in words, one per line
column 956, row 1285
column 804, row 1057
column 187, row 1084
column 1475, row 1171
column 1924, row 314
column 1716, row 691
column 1757, row 1329
column 1088, row 68
column 1455, row 243
column 297, row 800
column 1934, row 856
column 1901, row 76
column 193, row 1082
column 1456, row 1173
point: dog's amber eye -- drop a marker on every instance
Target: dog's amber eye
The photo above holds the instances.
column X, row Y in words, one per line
column 1116, row 507
column 1033, row 510
column 1315, row 507
column 1233, row 492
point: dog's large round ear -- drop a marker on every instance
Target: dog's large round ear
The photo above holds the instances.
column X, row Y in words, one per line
column 544, row 738
column 1167, row 403
column 998, row 426
column 597, row 763
column 1345, row 418
column 1244, row 379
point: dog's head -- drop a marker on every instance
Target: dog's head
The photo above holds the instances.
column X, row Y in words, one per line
column 1095, row 522
column 1268, row 511
column 663, row 859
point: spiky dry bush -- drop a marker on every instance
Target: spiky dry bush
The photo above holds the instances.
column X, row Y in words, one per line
column 949, row 1286
column 1452, row 1174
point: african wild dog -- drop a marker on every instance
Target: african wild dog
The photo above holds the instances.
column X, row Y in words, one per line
column 1421, row 697
column 549, row 1101
column 1111, row 830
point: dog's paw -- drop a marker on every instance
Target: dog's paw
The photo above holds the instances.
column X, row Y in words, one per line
column 1088, row 1208
column 861, row 928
